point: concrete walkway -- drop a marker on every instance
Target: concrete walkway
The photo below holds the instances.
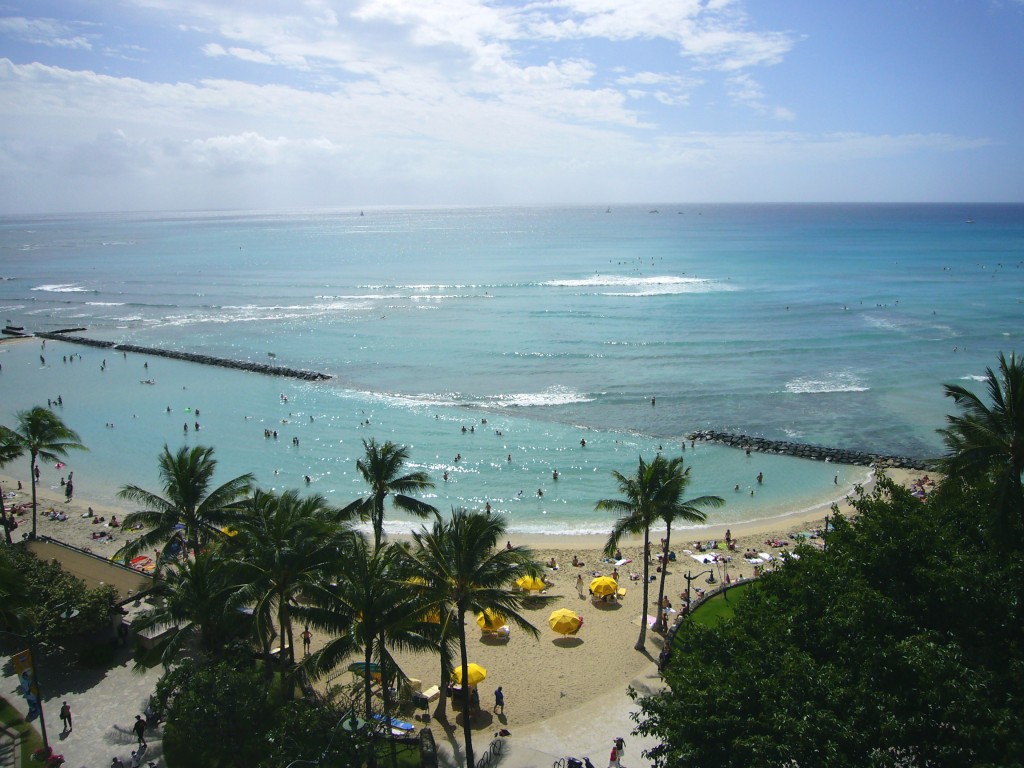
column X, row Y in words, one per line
column 103, row 703
column 577, row 730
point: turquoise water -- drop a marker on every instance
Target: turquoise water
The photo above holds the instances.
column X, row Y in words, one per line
column 832, row 325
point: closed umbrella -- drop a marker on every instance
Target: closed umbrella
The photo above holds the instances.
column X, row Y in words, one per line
column 603, row 586
column 565, row 621
column 475, row 674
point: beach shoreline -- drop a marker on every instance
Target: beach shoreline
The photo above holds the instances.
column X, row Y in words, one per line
column 517, row 664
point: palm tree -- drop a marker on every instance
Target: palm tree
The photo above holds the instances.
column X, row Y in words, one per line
column 285, row 549
column 195, row 596
column 381, row 468
column 43, row 435
column 369, row 610
column 463, row 570
column 987, row 441
column 189, row 511
column 646, row 495
column 673, row 507
column 9, row 451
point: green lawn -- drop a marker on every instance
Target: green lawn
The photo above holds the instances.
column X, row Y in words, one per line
column 720, row 607
column 11, row 719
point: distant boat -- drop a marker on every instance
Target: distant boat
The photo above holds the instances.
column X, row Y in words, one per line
column 653, row 210
column 360, row 213
column 969, row 221
column 608, row 209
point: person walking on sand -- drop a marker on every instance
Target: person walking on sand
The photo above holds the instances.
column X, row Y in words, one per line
column 307, row 638
column 613, row 759
column 499, row 701
column 579, row 585
column 139, row 729
column 620, row 746
column 65, row 718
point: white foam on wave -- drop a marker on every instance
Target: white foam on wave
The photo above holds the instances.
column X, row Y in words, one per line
column 633, row 286
column 973, row 378
column 62, row 288
column 550, row 396
column 105, row 303
column 832, row 382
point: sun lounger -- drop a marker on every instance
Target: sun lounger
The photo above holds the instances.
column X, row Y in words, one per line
column 501, row 633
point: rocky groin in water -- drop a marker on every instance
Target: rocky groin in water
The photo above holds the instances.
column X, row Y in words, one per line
column 191, row 357
column 804, row 451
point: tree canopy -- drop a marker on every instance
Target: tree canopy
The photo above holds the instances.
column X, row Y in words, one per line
column 899, row 645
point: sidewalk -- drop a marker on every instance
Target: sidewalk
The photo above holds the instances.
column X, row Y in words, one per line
column 578, row 730
column 103, row 703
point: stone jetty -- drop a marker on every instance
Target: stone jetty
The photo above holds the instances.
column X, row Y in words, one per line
column 803, row 451
column 191, row 357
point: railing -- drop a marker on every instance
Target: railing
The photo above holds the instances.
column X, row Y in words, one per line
column 493, row 754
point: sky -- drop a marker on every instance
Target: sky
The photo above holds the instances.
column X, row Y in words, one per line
column 125, row 105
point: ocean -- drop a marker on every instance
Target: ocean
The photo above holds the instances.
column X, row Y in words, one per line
column 532, row 327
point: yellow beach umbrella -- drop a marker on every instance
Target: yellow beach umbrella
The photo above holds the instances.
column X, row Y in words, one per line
column 531, row 583
column 475, row 674
column 603, row 586
column 490, row 620
column 565, row 621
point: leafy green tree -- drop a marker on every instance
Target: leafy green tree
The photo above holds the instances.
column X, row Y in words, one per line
column 382, row 468
column 41, row 595
column 987, row 441
column 196, row 596
column 189, row 512
column 671, row 508
column 887, row 649
column 229, row 714
column 41, row 434
column 463, row 570
column 285, row 550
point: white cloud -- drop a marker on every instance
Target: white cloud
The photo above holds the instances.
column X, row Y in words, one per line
column 48, row 32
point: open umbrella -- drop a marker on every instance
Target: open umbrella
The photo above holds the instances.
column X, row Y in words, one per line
column 490, row 620
column 565, row 621
column 531, row 583
column 474, row 674
column 603, row 586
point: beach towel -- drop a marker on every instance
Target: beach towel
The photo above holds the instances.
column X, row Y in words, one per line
column 766, row 557
column 703, row 558
column 623, row 561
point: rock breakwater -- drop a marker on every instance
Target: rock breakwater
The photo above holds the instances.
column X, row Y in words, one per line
column 192, row 357
column 804, row 451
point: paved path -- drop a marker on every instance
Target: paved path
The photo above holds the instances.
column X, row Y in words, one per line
column 578, row 730
column 103, row 702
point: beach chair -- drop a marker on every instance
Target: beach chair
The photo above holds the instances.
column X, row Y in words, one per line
column 501, row 633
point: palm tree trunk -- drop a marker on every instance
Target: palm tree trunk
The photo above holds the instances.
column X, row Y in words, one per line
column 371, row 754
column 3, row 518
column 659, row 623
column 378, row 520
column 467, row 726
column 642, row 640
column 441, row 710
column 33, row 478
column 385, row 684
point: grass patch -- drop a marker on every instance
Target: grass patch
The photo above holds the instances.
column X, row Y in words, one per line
column 720, row 607
column 11, row 719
